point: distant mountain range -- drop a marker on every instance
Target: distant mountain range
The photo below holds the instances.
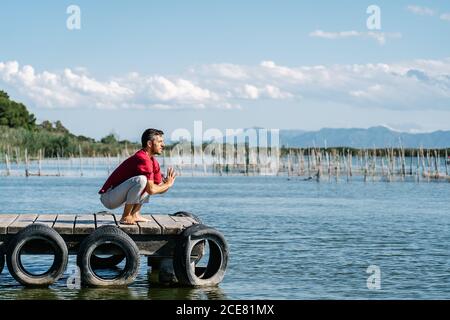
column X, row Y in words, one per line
column 364, row 138
column 379, row 137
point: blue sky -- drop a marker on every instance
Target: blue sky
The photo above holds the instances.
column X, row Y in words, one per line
column 231, row 64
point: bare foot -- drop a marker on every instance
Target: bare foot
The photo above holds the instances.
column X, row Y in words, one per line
column 138, row 218
column 128, row 220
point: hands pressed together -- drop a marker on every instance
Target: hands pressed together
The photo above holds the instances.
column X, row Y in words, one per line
column 170, row 177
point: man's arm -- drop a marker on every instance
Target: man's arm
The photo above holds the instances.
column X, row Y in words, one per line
column 153, row 188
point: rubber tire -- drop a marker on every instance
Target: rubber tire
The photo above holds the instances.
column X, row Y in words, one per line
column 2, row 261
column 196, row 218
column 187, row 214
column 42, row 232
column 109, row 262
column 105, row 263
column 218, row 258
column 108, row 234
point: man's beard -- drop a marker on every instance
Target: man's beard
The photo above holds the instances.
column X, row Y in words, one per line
column 155, row 151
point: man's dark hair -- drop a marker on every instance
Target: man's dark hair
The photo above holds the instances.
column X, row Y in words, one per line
column 149, row 135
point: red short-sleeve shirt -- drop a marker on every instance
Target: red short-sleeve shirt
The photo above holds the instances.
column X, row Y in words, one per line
column 138, row 164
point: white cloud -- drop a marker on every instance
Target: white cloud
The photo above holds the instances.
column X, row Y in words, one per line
column 423, row 11
column 178, row 90
column 75, row 89
column 275, row 93
column 226, row 70
column 250, row 92
column 380, row 37
column 407, row 85
column 335, row 35
column 445, row 16
column 253, row 93
column 280, row 71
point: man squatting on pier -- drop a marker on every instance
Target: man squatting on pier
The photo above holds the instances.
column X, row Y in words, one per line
column 137, row 178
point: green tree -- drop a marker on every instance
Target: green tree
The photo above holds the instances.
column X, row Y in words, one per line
column 46, row 125
column 109, row 139
column 4, row 95
column 14, row 114
column 60, row 128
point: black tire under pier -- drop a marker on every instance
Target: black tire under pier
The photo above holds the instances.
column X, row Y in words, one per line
column 111, row 236
column 186, row 269
column 2, row 261
column 43, row 234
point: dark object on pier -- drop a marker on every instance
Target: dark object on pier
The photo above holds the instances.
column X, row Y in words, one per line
column 186, row 214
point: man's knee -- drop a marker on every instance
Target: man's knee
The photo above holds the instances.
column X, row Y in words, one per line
column 141, row 180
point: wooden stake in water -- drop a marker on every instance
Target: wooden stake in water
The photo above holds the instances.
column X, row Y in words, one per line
column 81, row 163
column 389, row 164
column 27, row 172
column 418, row 165
column 446, row 162
column 319, row 170
column 109, row 163
column 345, row 162
column 327, row 157
column 289, row 163
column 309, row 163
column 436, row 167
column 57, row 164
column 302, row 163
column 411, row 156
column 366, row 166
column 204, row 163
column 17, row 155
column 350, row 163
column 374, row 163
column 422, row 156
column 8, row 167
column 39, row 162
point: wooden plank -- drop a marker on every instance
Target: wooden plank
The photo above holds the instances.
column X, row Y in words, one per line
column 84, row 224
column 47, row 219
column 5, row 221
column 185, row 221
column 150, row 227
column 6, row 216
column 168, row 225
column 104, row 219
column 65, row 223
column 21, row 222
column 128, row 228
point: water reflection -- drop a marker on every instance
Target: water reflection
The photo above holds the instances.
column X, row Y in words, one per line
column 116, row 293
column 183, row 293
column 158, row 291
column 36, row 293
column 145, row 287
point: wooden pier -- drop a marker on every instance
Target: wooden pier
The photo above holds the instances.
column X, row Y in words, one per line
column 173, row 242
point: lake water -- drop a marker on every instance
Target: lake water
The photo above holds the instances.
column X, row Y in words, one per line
column 289, row 238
